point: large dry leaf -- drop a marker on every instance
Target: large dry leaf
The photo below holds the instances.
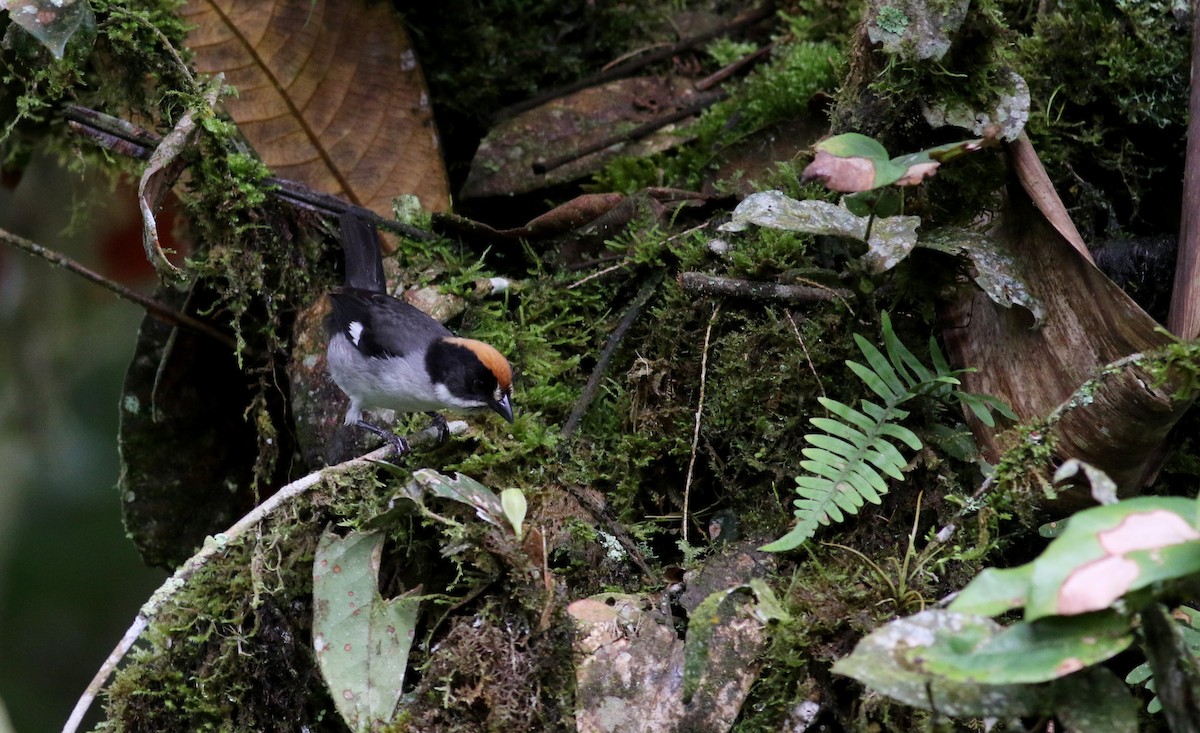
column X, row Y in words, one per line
column 511, row 158
column 1088, row 322
column 329, row 94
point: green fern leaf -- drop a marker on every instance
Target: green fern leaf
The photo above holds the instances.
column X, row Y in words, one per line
column 847, row 413
column 902, row 358
column 855, row 449
column 881, row 367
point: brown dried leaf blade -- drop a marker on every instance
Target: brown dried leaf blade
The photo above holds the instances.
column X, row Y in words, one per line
column 1088, row 322
column 329, row 94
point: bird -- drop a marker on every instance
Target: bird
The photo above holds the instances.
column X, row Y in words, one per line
column 386, row 354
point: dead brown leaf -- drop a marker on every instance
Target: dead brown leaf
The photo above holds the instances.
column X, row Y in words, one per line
column 508, row 157
column 329, row 94
column 1088, row 322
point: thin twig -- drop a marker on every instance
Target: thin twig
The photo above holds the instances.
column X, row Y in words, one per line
column 616, row 72
column 614, row 340
column 742, row 64
column 214, row 547
column 807, row 358
column 708, row 285
column 598, row 273
column 687, row 484
column 152, row 306
column 702, row 103
column 124, row 138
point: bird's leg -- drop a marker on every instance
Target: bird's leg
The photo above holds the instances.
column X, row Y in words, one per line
column 443, row 429
column 398, row 442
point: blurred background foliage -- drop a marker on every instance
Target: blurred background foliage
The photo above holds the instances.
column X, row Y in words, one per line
column 70, row 583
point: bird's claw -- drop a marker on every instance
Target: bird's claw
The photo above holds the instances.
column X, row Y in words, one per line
column 396, row 441
column 442, row 427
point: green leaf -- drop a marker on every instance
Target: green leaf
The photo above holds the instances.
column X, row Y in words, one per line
column 901, row 357
column 1038, row 651
column 891, row 660
column 881, row 366
column 875, row 383
column 361, row 640
column 995, row 591
column 853, row 145
column 513, row 503
column 1106, row 552
column 847, row 413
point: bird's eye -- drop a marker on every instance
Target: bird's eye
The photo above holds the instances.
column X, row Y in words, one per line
column 478, row 385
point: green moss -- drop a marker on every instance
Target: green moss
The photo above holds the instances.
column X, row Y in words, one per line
column 1110, row 86
column 778, row 91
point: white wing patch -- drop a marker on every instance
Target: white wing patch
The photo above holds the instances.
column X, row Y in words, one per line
column 355, row 328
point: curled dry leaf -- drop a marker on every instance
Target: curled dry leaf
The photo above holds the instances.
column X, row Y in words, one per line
column 164, row 167
column 329, row 94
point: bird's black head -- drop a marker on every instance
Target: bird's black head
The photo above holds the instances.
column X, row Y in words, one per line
column 470, row 375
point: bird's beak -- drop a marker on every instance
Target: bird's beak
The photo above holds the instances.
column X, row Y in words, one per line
column 504, row 407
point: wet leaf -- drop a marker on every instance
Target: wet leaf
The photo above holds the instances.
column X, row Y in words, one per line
column 329, row 94
column 361, row 640
column 52, row 22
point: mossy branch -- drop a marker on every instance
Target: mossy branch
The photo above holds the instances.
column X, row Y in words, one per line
column 216, row 545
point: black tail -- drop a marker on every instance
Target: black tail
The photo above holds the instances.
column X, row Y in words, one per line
column 364, row 261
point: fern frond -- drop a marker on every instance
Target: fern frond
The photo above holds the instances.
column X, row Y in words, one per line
column 845, row 466
column 848, row 460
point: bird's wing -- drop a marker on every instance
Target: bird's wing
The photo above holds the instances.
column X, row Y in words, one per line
column 380, row 325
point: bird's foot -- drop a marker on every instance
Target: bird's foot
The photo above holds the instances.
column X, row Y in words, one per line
column 398, row 442
column 443, row 428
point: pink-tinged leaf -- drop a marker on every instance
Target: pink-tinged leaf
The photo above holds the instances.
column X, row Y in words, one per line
column 844, row 175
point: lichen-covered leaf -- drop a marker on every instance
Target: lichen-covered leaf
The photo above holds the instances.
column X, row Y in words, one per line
column 884, row 660
column 997, row 273
column 891, row 660
column 329, row 94
column 1004, row 118
column 1104, row 489
column 361, row 640
column 1029, row 652
column 465, row 490
column 892, row 238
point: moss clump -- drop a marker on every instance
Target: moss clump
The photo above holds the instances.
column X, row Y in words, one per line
column 1110, row 84
column 780, row 91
